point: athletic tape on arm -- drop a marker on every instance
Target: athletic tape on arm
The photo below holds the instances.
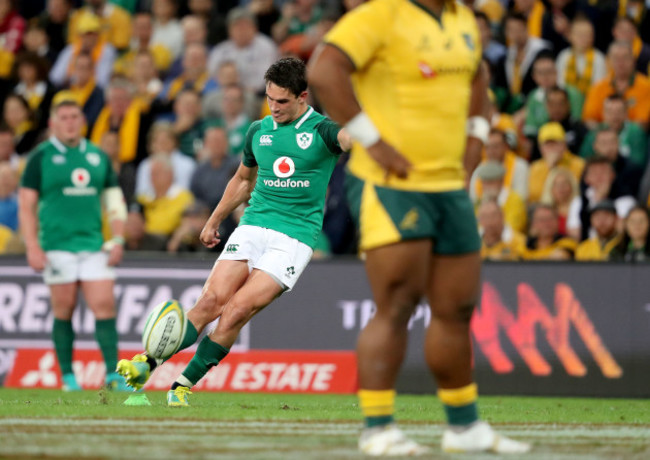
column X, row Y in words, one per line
column 113, row 200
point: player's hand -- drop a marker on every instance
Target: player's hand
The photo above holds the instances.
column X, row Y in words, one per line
column 36, row 258
column 115, row 255
column 210, row 235
column 390, row 159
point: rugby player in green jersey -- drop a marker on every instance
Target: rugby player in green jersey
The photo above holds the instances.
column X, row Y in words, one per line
column 288, row 159
column 66, row 182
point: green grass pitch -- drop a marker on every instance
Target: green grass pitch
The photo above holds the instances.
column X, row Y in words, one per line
column 96, row 425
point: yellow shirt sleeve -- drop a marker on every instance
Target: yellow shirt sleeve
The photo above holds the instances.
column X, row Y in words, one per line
column 362, row 31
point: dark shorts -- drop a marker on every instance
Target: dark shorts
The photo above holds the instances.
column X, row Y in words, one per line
column 386, row 216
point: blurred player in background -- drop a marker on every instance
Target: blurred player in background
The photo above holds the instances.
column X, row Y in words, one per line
column 403, row 77
column 67, row 181
column 287, row 163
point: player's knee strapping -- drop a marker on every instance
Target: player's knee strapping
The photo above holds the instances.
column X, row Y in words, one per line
column 460, row 404
column 377, row 406
column 208, row 354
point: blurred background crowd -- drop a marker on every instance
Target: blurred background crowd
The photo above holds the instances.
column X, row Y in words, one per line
column 170, row 87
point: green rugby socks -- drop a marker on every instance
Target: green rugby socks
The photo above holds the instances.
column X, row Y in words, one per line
column 208, row 354
column 63, row 336
column 106, row 336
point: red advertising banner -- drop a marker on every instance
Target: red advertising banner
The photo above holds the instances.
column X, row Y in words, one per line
column 267, row 371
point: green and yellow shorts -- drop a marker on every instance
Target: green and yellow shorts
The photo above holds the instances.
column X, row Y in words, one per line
column 386, row 216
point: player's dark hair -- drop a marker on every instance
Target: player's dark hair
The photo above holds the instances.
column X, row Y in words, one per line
column 288, row 73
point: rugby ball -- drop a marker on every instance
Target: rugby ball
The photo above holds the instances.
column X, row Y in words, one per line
column 164, row 330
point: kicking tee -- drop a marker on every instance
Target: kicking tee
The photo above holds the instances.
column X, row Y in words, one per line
column 295, row 161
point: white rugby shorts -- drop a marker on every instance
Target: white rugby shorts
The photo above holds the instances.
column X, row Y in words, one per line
column 70, row 267
column 280, row 256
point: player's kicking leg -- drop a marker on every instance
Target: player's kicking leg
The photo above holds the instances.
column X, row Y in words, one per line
column 259, row 290
column 453, row 291
column 226, row 277
column 397, row 275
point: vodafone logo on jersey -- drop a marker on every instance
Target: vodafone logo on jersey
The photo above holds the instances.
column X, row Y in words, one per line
column 80, row 177
column 284, row 167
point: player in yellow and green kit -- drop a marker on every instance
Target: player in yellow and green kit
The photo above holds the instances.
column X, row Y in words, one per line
column 405, row 78
column 67, row 181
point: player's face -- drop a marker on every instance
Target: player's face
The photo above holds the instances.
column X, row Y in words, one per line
column 67, row 124
column 284, row 105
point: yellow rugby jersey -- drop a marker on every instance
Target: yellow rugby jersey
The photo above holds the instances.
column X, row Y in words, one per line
column 413, row 79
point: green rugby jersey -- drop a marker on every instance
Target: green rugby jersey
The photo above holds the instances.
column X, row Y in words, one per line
column 69, row 181
column 295, row 161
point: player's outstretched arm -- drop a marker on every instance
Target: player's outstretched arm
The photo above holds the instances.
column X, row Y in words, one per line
column 237, row 191
column 27, row 205
column 478, row 126
column 329, row 77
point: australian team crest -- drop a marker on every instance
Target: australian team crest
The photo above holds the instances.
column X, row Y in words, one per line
column 304, row 140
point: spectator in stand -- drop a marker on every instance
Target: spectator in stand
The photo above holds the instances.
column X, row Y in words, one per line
column 498, row 241
column 12, row 28
column 559, row 111
column 603, row 221
column 115, row 23
column 625, row 30
column 556, row 23
column 492, row 174
column 167, row 30
column 84, row 89
column 163, row 142
column 8, row 196
column 544, row 240
column 54, row 22
column 493, row 51
column 186, row 236
column 545, row 76
column 194, row 32
column 516, row 69
column 553, row 148
column 560, row 188
column 125, row 172
column 632, row 140
column 266, row 15
column 163, row 206
column 145, row 78
column 302, row 45
column 19, row 117
column 31, row 70
column 252, row 51
column 628, row 175
column 533, row 13
column 516, row 178
column 298, row 16
column 36, row 41
column 142, row 41
column 234, row 118
column 215, row 21
column 581, row 65
column 194, row 76
column 125, row 115
column 88, row 28
column 635, row 242
column 599, row 185
column 215, row 170
column 228, row 75
column 634, row 87
column 7, row 149
column 187, row 122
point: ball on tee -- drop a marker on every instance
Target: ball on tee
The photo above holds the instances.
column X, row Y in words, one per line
column 164, row 330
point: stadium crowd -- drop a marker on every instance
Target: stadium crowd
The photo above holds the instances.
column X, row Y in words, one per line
column 170, row 87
